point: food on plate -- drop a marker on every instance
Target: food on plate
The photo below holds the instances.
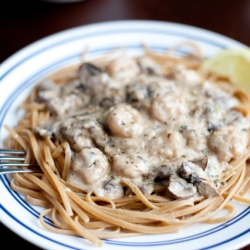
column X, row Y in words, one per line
column 134, row 145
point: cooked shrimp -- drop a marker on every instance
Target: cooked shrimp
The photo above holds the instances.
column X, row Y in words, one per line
column 228, row 142
column 169, row 145
column 189, row 76
column 91, row 164
column 123, row 68
column 130, row 166
column 125, row 121
column 167, row 108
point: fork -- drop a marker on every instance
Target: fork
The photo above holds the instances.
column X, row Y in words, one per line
column 10, row 158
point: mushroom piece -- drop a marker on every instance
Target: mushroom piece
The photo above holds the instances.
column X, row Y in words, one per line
column 77, row 137
column 207, row 188
column 102, row 89
column 194, row 174
column 202, row 162
column 91, row 77
column 62, row 99
column 88, row 70
column 48, row 128
column 180, row 188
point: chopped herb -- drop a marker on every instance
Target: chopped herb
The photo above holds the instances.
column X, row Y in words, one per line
column 206, row 152
column 92, row 153
column 183, row 127
column 90, row 166
column 140, row 158
column 114, row 177
column 150, row 92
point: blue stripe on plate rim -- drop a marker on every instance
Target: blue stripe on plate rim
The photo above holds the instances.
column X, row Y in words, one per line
column 38, row 75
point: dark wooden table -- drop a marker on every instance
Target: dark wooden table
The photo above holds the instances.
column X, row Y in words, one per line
column 25, row 21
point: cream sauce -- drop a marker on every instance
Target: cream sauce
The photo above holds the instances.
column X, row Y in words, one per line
column 144, row 128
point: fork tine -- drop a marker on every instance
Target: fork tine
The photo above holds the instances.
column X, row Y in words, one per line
column 6, row 158
column 19, row 164
column 9, row 162
column 17, row 170
column 11, row 151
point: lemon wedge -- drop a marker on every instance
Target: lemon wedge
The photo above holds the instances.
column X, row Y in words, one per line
column 233, row 64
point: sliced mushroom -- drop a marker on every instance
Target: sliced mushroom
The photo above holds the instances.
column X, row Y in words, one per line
column 207, row 188
column 49, row 128
column 88, row 70
column 187, row 172
column 179, row 188
column 62, row 100
column 194, row 174
column 202, row 162
column 102, row 89
column 77, row 137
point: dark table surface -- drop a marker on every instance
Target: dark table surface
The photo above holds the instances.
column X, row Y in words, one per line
column 25, row 21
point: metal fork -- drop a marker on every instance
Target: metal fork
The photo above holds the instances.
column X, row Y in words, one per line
column 12, row 161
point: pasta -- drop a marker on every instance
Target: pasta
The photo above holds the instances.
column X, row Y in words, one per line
column 137, row 146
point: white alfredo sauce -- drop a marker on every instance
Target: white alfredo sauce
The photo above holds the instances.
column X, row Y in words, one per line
column 146, row 127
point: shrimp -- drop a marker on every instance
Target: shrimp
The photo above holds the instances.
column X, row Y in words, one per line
column 188, row 76
column 167, row 108
column 123, row 68
column 131, row 166
column 91, row 165
column 228, row 142
column 169, row 145
column 125, row 121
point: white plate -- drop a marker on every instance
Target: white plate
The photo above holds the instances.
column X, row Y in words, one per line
column 22, row 70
